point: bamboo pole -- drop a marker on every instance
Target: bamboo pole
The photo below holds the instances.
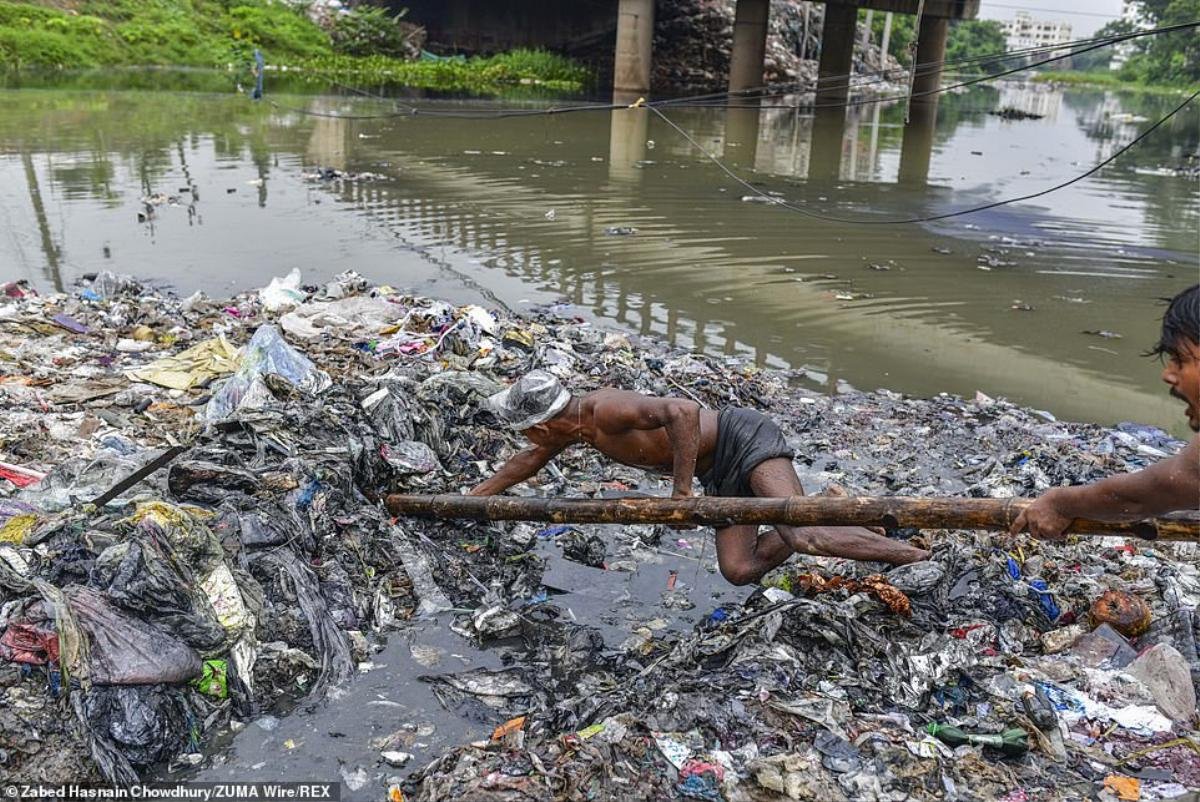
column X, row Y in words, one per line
column 887, row 511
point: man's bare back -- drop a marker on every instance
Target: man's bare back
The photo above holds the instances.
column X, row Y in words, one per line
column 609, row 421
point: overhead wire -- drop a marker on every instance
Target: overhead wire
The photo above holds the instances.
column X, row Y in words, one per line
column 925, row 218
column 656, row 108
column 835, row 81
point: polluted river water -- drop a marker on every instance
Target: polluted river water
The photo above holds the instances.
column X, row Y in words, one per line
column 522, row 210
column 617, row 217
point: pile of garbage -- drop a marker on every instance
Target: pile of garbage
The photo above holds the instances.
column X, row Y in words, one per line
column 693, row 40
column 191, row 537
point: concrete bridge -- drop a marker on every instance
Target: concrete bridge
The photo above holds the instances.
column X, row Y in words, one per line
column 500, row 24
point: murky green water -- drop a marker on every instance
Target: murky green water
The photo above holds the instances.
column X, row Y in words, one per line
column 514, row 211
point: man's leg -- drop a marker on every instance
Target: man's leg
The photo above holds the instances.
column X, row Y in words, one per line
column 777, row 477
column 744, row 555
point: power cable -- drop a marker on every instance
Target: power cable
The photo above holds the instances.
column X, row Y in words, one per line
column 834, row 80
column 928, row 218
column 1055, row 11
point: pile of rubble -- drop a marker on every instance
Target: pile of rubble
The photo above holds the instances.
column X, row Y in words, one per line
column 249, row 566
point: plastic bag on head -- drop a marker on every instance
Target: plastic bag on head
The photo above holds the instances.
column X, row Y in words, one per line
column 534, row 398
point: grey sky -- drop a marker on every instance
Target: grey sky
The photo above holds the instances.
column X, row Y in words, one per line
column 1085, row 16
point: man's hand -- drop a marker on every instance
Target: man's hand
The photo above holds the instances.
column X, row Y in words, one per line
column 1045, row 518
column 679, row 495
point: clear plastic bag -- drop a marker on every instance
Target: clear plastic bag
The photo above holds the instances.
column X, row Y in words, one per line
column 266, row 353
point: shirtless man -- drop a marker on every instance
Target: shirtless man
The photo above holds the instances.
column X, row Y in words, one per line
column 1167, row 486
column 736, row 453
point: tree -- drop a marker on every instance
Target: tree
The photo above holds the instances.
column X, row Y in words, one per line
column 1169, row 57
column 970, row 40
column 1099, row 58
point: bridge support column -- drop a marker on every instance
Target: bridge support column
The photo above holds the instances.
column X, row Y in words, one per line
column 635, row 38
column 917, row 146
column 749, row 44
column 837, row 53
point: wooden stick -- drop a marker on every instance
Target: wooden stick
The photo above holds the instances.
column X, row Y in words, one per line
column 886, row 511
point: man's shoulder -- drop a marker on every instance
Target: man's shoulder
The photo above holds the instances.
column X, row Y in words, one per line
column 608, row 394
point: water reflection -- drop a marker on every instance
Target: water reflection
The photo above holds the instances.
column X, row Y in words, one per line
column 517, row 210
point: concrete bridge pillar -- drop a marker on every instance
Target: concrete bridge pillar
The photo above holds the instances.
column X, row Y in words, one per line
column 837, row 58
column 837, row 53
column 635, row 38
column 749, row 44
column 917, row 146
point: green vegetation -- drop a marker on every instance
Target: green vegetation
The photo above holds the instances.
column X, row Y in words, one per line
column 1106, row 78
column 1158, row 63
column 1171, row 58
column 79, row 34
column 970, row 41
column 519, row 67
column 372, row 31
column 903, row 34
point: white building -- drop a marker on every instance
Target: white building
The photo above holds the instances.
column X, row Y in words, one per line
column 1123, row 50
column 1023, row 31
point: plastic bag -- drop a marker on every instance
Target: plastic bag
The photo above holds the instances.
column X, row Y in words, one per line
column 266, row 353
column 143, row 723
column 202, row 362
column 125, row 651
column 410, row 456
column 282, row 293
column 359, row 315
column 140, row 578
column 226, row 600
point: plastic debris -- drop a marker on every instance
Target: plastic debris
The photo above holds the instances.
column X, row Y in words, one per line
column 1164, row 672
column 282, row 293
column 261, row 557
column 192, row 367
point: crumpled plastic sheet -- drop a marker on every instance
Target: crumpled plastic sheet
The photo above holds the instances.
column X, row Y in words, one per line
column 267, row 354
column 123, row 650
column 200, row 364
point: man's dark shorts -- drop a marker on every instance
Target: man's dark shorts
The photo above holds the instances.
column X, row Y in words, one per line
column 745, row 439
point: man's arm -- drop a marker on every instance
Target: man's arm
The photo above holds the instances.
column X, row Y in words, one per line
column 522, row 466
column 679, row 417
column 1167, row 486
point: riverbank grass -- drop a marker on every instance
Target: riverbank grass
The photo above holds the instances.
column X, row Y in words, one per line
column 81, row 34
column 1104, row 79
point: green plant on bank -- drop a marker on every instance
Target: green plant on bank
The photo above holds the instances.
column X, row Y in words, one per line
column 152, row 32
column 1171, row 58
column 519, row 67
column 1108, row 79
column 220, row 33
